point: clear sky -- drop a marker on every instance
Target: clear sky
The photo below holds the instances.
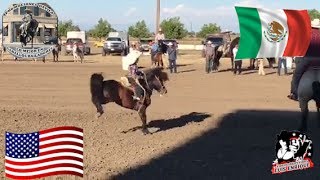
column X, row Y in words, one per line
column 194, row 13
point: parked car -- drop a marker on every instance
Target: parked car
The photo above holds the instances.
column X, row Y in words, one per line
column 218, row 39
column 98, row 44
column 113, row 45
column 70, row 42
column 51, row 40
column 78, row 37
column 145, row 44
column 116, row 42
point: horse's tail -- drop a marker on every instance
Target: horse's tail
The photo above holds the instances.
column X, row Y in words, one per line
column 96, row 88
column 316, row 92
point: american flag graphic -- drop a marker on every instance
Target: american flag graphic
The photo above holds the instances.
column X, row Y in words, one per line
column 45, row 153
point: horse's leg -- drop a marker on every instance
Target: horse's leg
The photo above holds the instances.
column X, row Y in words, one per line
column 305, row 112
column 162, row 65
column 99, row 107
column 143, row 117
column 232, row 64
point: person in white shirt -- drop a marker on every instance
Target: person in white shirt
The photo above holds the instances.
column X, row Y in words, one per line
column 237, row 62
column 159, row 36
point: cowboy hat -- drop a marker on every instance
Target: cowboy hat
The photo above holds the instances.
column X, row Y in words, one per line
column 160, row 30
column 132, row 57
column 209, row 42
column 28, row 11
column 170, row 44
column 315, row 23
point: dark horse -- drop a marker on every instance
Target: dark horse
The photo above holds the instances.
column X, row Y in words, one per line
column 26, row 37
column 103, row 92
column 156, row 57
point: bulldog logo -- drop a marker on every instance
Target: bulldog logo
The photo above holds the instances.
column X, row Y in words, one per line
column 275, row 32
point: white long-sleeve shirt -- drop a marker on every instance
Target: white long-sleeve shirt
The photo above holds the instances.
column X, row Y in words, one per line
column 159, row 37
column 234, row 52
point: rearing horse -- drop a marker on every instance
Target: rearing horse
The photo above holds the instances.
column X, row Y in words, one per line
column 28, row 35
column 103, row 92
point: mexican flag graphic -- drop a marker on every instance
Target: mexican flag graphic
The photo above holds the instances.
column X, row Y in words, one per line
column 268, row 33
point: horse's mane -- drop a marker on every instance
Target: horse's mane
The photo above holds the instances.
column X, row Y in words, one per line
column 157, row 71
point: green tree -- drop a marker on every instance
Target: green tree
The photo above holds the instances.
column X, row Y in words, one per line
column 139, row 30
column 101, row 30
column 208, row 29
column 314, row 14
column 173, row 28
column 65, row 26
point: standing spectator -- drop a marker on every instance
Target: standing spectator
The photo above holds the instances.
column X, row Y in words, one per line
column 159, row 36
column 282, row 60
column 172, row 57
column 252, row 61
column 261, row 66
column 237, row 62
column 153, row 52
column 209, row 54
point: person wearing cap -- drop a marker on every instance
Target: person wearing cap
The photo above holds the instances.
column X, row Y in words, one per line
column 311, row 59
column 159, row 36
column 209, row 54
column 172, row 57
column 26, row 20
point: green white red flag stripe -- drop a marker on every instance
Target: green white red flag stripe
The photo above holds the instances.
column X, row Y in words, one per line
column 268, row 33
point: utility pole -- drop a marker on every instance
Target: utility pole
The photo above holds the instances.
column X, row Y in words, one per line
column 158, row 16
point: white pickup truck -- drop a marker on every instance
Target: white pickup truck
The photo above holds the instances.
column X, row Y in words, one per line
column 116, row 42
column 78, row 37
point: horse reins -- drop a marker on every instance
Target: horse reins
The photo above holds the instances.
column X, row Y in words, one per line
column 146, row 81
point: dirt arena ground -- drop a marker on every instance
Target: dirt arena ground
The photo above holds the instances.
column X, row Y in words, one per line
column 208, row 126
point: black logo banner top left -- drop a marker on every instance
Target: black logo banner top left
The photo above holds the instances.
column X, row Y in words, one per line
column 30, row 30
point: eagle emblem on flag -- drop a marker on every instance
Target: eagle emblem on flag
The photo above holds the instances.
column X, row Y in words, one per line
column 275, row 32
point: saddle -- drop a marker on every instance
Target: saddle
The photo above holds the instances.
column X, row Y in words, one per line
column 130, row 82
column 125, row 81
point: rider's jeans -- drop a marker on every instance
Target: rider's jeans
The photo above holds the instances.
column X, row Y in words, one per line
column 301, row 67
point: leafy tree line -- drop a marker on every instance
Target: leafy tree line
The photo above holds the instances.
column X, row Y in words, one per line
column 172, row 27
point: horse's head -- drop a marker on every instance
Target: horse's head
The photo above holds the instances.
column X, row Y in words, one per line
column 162, row 46
column 156, row 78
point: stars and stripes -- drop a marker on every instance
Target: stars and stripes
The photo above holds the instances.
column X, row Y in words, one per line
column 45, row 153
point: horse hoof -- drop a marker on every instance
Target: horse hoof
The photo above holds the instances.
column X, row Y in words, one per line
column 145, row 131
column 98, row 115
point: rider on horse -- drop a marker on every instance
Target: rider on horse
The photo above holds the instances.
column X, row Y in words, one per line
column 159, row 36
column 27, row 18
column 311, row 59
column 137, row 75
